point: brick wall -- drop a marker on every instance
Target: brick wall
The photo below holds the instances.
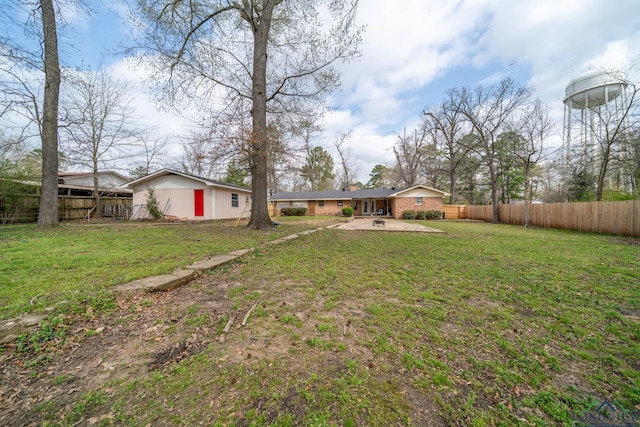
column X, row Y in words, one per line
column 397, row 206
column 408, row 203
column 331, row 207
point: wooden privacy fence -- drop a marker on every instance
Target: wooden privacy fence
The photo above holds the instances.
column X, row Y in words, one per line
column 454, row 211
column 75, row 207
column 622, row 218
column 25, row 208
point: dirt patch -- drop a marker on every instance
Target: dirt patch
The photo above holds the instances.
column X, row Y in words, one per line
column 147, row 332
column 175, row 353
column 527, row 313
column 152, row 333
column 425, row 412
column 632, row 241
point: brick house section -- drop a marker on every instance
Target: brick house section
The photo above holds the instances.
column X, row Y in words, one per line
column 389, row 202
column 331, row 207
column 400, row 205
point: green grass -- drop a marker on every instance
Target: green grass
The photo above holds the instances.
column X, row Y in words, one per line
column 41, row 267
column 488, row 324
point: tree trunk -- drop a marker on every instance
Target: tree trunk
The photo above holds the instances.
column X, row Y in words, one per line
column 494, row 191
column 527, row 194
column 96, row 190
column 494, row 204
column 48, row 214
column 602, row 173
column 260, row 219
column 452, row 188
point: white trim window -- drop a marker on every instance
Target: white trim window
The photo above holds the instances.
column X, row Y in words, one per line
column 418, row 201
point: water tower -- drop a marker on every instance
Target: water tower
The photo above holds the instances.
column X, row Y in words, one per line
column 593, row 101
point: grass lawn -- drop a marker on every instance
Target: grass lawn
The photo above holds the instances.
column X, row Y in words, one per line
column 42, row 267
column 482, row 325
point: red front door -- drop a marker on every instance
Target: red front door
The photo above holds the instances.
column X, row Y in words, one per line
column 198, row 196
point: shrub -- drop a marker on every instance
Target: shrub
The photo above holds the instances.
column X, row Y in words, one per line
column 152, row 204
column 293, row 211
column 410, row 214
column 347, row 211
column 434, row 215
column 421, row 214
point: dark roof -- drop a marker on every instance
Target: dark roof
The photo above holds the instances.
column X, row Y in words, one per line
column 188, row 175
column 334, row 194
column 377, row 193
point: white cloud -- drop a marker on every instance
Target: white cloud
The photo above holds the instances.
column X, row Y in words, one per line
column 412, row 45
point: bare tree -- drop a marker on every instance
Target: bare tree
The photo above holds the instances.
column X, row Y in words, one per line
column 449, row 125
column 101, row 127
column 348, row 168
column 153, row 148
column 31, row 92
column 201, row 156
column 534, row 125
column 487, row 108
column 219, row 50
column 410, row 151
column 20, row 102
column 633, row 164
column 612, row 126
column 433, row 164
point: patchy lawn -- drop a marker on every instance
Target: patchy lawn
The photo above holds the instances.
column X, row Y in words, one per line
column 484, row 325
column 76, row 261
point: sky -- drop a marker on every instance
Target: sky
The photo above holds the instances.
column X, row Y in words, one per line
column 413, row 51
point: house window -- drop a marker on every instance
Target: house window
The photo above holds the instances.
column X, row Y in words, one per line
column 418, row 200
column 355, row 205
column 339, row 202
column 234, row 200
column 321, row 203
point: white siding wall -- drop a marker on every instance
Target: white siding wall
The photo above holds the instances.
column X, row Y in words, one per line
column 177, row 192
column 174, row 182
column 180, row 202
column 222, row 204
column 419, row 192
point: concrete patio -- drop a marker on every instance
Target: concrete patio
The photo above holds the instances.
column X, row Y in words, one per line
column 390, row 224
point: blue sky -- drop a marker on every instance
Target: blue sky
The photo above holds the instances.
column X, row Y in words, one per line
column 415, row 50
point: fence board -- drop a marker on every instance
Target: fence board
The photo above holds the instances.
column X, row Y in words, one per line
column 454, row 211
column 69, row 207
column 622, row 218
column 483, row 213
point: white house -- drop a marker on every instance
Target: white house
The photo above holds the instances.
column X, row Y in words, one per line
column 191, row 197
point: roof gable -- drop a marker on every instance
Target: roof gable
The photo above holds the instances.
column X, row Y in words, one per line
column 419, row 190
column 206, row 181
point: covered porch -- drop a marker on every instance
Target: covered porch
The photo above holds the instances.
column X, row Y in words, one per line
column 373, row 207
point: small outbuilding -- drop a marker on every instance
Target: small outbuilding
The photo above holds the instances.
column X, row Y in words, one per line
column 190, row 197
